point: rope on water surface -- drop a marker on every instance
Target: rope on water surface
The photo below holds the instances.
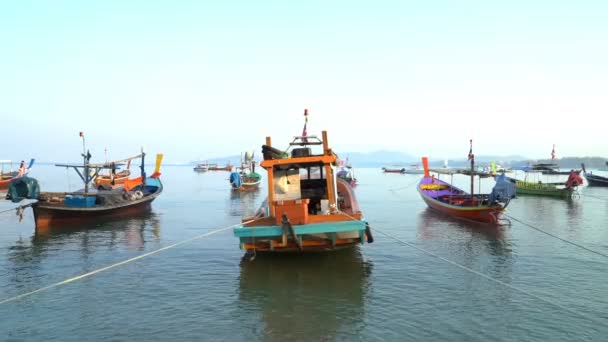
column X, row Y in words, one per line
column 86, row 275
column 557, row 237
column 565, row 308
column 407, row 186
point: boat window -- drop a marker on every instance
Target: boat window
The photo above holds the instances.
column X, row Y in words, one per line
column 287, row 184
column 313, row 186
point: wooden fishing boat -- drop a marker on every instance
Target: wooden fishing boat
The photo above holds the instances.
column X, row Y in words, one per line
column 246, row 179
column 111, row 178
column 204, row 167
column 347, row 173
column 387, row 170
column 536, row 187
column 54, row 209
column 7, row 174
column 450, row 200
column 414, row 170
column 307, row 208
column 594, row 180
column 215, row 167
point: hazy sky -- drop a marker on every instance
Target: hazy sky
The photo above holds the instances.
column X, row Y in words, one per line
column 203, row 79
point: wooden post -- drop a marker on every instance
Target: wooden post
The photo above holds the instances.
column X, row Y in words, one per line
column 325, row 143
column 270, row 176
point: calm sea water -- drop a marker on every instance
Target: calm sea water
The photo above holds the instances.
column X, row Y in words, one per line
column 207, row 290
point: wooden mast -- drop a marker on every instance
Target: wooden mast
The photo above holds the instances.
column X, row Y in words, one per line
column 472, row 158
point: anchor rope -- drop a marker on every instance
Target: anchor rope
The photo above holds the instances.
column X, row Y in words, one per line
column 557, row 237
column 407, row 186
column 99, row 270
column 485, row 276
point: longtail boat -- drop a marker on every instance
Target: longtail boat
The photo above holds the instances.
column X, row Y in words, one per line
column 448, row 199
column 246, row 179
column 594, row 180
column 307, row 208
column 387, row 170
column 535, row 187
column 7, row 174
column 53, row 209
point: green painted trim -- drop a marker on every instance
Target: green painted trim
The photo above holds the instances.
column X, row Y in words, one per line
column 315, row 228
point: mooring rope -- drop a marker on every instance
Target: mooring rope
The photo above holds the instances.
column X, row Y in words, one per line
column 557, row 237
column 485, row 276
column 407, row 186
column 565, row 308
column 86, row 275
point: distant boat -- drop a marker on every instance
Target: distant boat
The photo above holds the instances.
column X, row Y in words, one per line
column 594, row 180
column 112, row 178
column 60, row 209
column 534, row 186
column 387, row 170
column 308, row 208
column 203, row 167
column 7, row 174
column 414, row 169
column 215, row 167
column 347, row 173
column 450, row 200
column 246, row 179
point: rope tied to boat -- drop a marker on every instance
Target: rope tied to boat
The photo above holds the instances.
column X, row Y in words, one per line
column 124, row 262
column 485, row 276
column 557, row 237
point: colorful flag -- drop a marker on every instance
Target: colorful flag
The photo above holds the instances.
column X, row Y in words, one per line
column 471, row 155
column 553, row 153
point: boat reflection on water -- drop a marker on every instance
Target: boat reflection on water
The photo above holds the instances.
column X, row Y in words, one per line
column 129, row 234
column 433, row 224
column 309, row 298
column 243, row 203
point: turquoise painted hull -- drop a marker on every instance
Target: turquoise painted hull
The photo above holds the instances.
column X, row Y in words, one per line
column 308, row 229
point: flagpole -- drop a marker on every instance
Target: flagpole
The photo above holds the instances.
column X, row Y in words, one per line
column 472, row 158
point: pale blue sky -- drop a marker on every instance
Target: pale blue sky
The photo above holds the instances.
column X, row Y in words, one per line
column 196, row 79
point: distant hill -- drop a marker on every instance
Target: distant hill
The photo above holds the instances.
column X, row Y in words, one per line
column 401, row 159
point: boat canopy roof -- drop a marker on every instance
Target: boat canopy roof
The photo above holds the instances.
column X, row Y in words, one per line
column 106, row 165
column 462, row 172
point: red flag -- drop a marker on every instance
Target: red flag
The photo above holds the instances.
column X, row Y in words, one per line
column 553, row 153
column 81, row 134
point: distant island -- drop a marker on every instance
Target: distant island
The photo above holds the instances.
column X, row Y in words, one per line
column 385, row 158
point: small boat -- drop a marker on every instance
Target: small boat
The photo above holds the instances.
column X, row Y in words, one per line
column 215, row 167
column 307, row 208
column 594, row 180
column 89, row 204
column 111, row 178
column 414, row 169
column 204, row 167
column 7, row 174
column 347, row 173
column 387, row 170
column 563, row 190
column 450, row 200
column 246, row 179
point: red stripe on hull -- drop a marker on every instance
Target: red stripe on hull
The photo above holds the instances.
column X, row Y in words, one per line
column 483, row 214
column 46, row 217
